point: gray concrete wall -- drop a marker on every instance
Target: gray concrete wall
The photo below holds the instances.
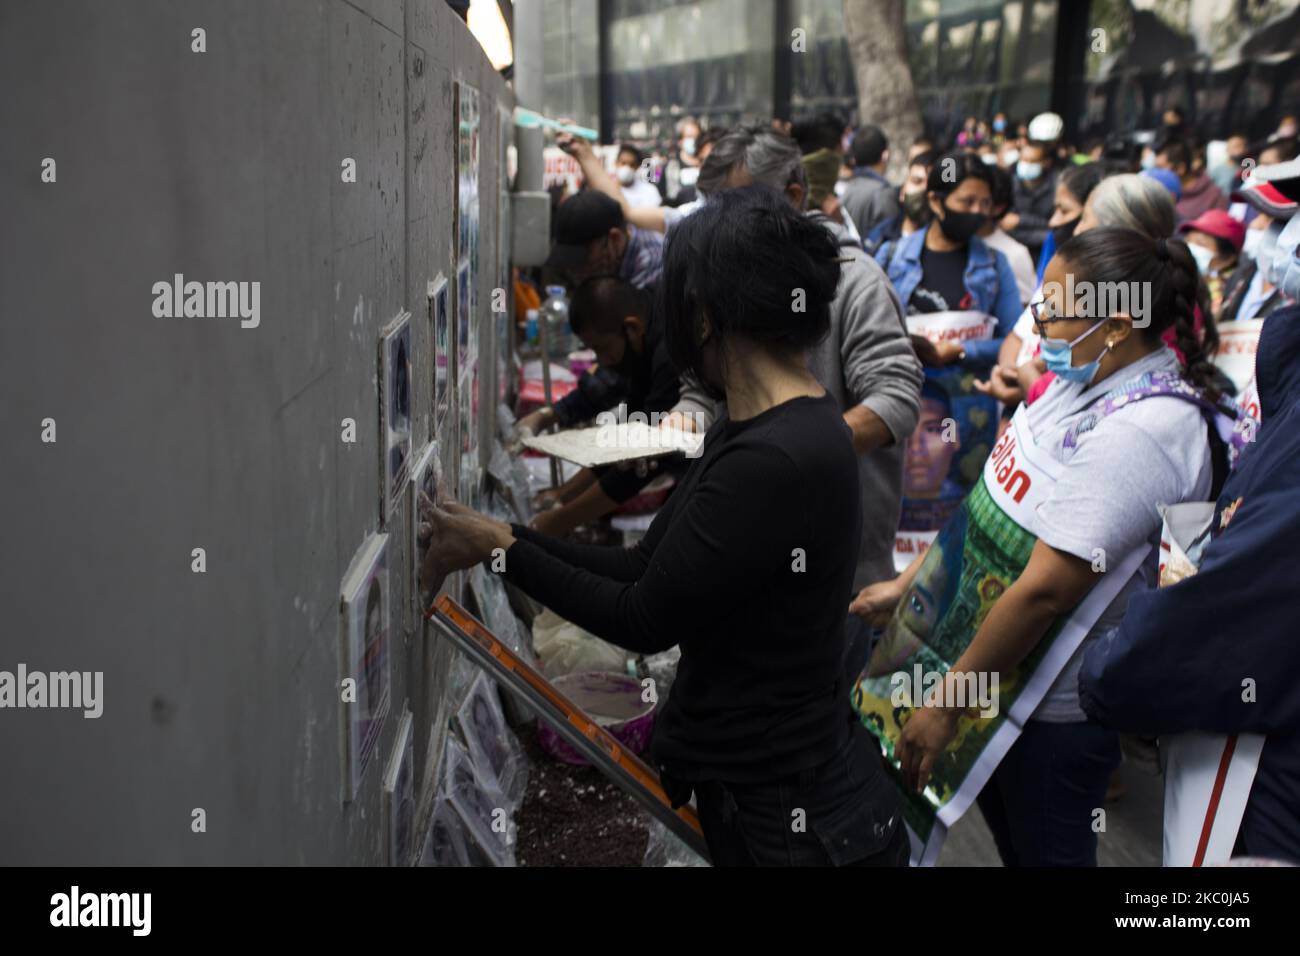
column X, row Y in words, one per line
column 220, row 689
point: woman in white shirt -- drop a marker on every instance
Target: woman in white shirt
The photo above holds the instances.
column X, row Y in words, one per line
column 1128, row 434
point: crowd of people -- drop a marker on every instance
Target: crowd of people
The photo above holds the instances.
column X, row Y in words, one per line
column 766, row 291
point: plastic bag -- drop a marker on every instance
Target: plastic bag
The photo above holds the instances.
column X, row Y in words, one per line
column 447, row 842
column 496, row 753
column 489, row 833
column 665, row 848
column 500, row 618
column 490, row 592
column 511, row 478
column 662, row 669
column 564, row 648
column 460, row 677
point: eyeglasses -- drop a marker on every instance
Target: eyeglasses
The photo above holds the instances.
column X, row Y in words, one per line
column 1040, row 310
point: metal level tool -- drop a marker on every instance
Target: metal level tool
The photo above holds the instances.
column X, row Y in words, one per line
column 582, row 733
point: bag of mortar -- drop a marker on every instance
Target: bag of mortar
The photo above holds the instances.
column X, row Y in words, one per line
column 564, row 648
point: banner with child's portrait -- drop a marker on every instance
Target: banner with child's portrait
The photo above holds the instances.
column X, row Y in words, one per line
column 952, row 438
column 974, row 559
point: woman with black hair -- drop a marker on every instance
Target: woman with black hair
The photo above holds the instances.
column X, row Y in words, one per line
column 1123, row 429
column 946, row 267
column 1073, row 187
column 746, row 565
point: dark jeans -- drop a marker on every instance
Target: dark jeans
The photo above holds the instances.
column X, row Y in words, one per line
column 844, row 813
column 1041, row 801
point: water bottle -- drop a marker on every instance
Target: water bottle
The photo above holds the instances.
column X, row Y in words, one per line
column 531, row 335
column 555, row 313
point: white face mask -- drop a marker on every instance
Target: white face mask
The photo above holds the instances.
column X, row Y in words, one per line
column 1286, row 259
column 1267, row 252
column 688, row 145
column 1250, row 248
column 625, row 175
column 1010, row 157
column 1030, row 172
column 1202, row 257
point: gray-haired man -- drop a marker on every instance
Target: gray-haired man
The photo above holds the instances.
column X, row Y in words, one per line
column 866, row 361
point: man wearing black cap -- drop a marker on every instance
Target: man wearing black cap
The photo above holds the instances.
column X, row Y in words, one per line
column 592, row 238
column 868, row 198
column 1250, row 292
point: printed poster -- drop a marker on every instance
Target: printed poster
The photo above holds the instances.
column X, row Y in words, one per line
column 952, row 439
column 1235, row 356
column 974, row 558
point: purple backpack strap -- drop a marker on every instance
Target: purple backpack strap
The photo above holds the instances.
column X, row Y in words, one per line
column 1235, row 428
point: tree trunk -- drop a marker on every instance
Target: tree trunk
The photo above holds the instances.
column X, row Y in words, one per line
column 877, row 38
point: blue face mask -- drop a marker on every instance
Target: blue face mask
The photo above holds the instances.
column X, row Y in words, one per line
column 1028, row 171
column 999, row 125
column 1058, row 355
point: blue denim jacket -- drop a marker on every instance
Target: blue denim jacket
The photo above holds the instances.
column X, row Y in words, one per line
column 988, row 279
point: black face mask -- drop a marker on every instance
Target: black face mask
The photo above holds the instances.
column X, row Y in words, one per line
column 1062, row 234
column 914, row 206
column 961, row 226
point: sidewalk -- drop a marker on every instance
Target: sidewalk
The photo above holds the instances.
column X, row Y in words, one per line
column 1132, row 836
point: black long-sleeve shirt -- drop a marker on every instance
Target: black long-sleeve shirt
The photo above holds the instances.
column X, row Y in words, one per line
column 749, row 567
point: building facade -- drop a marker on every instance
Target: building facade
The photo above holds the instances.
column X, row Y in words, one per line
column 633, row 68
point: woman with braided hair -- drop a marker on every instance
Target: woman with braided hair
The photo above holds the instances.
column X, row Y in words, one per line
column 1075, row 485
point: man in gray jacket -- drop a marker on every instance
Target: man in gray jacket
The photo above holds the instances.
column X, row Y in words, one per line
column 866, row 361
column 868, row 197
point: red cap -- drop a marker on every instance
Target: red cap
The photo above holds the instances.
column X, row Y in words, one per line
column 1216, row 222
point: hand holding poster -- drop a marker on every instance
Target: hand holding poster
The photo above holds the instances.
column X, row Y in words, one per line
column 977, row 555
